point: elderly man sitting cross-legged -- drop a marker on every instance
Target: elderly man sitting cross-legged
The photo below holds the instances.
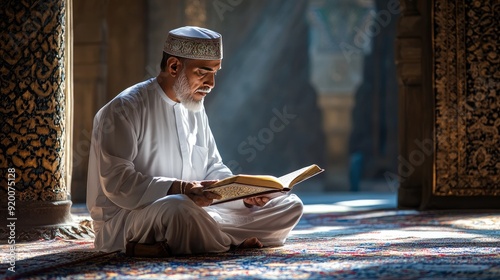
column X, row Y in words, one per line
column 152, row 152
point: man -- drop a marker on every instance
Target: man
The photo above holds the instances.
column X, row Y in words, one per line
column 153, row 151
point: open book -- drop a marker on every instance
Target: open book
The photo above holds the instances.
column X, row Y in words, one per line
column 242, row 186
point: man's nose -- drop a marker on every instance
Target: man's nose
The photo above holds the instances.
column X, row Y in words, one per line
column 210, row 80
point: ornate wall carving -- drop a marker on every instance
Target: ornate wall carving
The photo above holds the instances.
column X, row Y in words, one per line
column 33, row 89
column 466, row 81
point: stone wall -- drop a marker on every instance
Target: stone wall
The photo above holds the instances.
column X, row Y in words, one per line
column 110, row 55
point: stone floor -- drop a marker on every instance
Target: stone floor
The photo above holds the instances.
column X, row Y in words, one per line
column 347, row 201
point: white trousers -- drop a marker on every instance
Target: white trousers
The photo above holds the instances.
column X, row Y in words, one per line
column 190, row 229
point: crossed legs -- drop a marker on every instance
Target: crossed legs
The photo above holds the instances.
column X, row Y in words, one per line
column 174, row 225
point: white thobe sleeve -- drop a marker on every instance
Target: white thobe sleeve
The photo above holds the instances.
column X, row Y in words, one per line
column 116, row 137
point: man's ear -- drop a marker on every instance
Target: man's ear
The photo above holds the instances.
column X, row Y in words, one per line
column 174, row 66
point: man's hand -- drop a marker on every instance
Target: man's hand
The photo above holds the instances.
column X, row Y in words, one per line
column 256, row 201
column 194, row 190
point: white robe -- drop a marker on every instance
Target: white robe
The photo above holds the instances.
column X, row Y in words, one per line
column 142, row 141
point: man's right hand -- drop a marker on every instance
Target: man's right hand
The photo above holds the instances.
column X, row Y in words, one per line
column 194, row 190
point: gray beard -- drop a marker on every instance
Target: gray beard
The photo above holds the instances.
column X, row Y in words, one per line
column 183, row 93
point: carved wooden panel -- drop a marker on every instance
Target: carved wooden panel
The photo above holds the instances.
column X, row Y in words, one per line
column 466, row 83
column 33, row 98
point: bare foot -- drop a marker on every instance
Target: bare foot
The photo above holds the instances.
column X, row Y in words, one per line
column 251, row 242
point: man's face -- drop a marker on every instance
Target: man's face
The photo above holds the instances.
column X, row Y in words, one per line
column 195, row 81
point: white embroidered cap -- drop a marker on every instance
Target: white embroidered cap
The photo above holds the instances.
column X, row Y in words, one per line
column 194, row 42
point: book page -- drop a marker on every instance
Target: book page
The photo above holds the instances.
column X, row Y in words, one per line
column 295, row 177
column 235, row 190
column 253, row 180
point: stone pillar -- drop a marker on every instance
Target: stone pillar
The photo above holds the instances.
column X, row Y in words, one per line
column 336, row 49
column 36, row 117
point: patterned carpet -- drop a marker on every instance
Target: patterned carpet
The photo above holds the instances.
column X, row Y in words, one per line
column 390, row 244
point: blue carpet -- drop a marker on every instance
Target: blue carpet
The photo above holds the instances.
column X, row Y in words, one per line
column 391, row 244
